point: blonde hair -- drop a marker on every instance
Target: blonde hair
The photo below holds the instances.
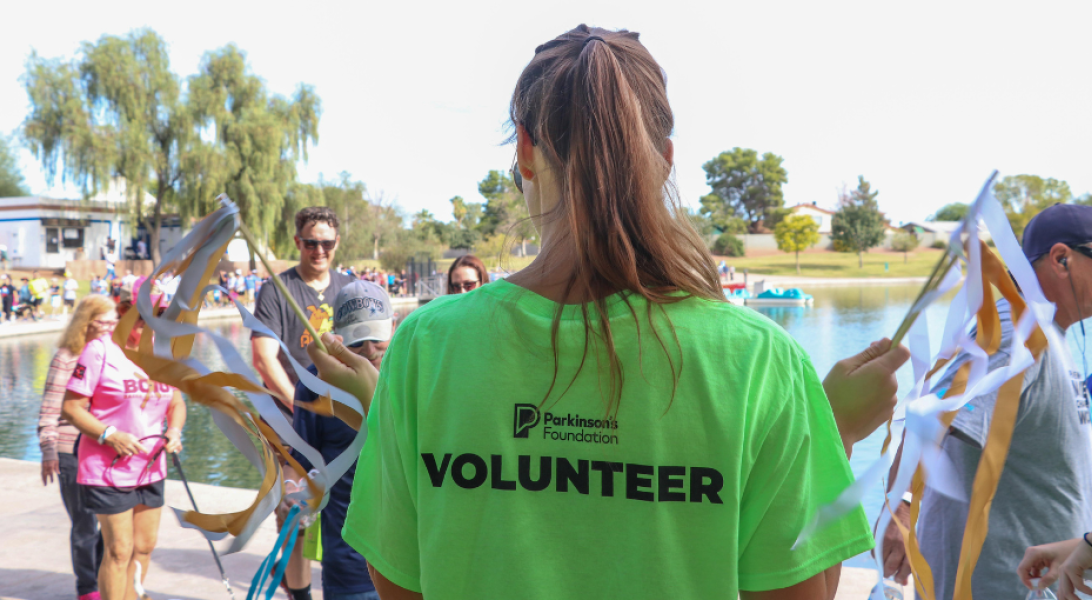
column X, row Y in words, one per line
column 89, row 308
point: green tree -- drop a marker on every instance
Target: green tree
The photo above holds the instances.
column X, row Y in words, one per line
column 727, row 244
column 905, row 242
column 463, row 231
column 951, row 212
column 459, row 210
column 11, row 178
column 795, row 233
column 744, row 188
column 505, row 211
column 116, row 111
column 384, row 225
column 858, row 224
column 1023, row 196
column 258, row 137
column 491, row 251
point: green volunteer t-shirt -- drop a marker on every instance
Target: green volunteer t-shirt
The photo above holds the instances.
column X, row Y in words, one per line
column 474, row 485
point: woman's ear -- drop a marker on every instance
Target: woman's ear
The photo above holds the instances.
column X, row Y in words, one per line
column 669, row 153
column 525, row 152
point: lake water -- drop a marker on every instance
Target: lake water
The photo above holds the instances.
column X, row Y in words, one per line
column 843, row 321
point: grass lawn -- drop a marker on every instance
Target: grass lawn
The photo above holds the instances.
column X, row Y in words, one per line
column 920, row 263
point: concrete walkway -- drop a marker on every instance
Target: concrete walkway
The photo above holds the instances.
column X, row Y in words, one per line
column 34, row 556
column 35, row 565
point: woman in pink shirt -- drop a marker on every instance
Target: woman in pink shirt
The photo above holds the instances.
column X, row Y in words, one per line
column 92, row 318
column 120, row 414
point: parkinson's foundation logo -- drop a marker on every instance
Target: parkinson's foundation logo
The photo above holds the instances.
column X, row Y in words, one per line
column 526, row 417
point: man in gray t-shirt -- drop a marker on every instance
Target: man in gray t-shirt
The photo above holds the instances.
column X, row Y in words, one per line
column 1045, row 491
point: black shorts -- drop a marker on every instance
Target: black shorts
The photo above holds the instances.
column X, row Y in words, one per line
column 70, row 302
column 106, row 500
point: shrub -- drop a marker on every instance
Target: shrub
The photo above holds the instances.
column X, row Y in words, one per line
column 728, row 245
column 940, row 245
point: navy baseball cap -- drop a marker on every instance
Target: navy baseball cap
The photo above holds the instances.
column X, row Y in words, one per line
column 1069, row 224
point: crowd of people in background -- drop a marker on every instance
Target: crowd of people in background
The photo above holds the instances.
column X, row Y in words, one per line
column 38, row 297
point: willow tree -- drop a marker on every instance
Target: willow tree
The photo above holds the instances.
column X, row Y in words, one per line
column 251, row 140
column 115, row 111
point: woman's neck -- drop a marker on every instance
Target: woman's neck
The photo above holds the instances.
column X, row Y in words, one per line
column 550, row 273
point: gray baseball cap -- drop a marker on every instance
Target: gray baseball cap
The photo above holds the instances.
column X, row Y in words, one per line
column 362, row 312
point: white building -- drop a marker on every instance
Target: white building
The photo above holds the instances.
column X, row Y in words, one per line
column 930, row 232
column 822, row 216
column 47, row 232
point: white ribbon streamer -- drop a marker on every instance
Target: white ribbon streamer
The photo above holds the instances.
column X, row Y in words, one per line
column 202, row 243
column 924, row 429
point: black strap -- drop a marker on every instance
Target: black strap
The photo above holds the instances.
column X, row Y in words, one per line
column 215, row 554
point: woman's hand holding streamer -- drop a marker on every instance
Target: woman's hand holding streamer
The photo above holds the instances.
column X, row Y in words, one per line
column 861, row 389
column 342, row 368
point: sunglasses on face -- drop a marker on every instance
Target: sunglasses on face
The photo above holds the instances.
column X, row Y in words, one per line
column 466, row 286
column 327, row 245
column 517, row 178
column 106, row 323
column 1085, row 250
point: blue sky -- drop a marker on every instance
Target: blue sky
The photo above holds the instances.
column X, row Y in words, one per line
column 923, row 99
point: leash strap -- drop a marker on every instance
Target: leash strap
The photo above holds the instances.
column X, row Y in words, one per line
column 215, row 554
column 289, row 531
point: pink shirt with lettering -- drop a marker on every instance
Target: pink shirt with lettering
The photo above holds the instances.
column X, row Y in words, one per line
column 123, row 396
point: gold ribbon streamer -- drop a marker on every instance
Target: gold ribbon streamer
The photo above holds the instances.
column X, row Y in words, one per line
column 992, row 462
column 210, row 391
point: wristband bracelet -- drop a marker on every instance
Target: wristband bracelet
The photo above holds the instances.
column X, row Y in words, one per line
column 109, row 431
column 1086, row 539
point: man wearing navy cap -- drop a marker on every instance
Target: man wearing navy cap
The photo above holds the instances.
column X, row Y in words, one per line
column 364, row 319
column 1045, row 491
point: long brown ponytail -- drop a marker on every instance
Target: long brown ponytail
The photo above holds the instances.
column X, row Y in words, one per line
column 595, row 103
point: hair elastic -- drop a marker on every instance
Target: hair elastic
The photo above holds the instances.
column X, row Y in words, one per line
column 588, row 39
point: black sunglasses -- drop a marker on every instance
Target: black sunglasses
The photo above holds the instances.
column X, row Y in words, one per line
column 327, row 245
column 466, row 286
column 1085, row 250
column 517, row 178
column 357, row 345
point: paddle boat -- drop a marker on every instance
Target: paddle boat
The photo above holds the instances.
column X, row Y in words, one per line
column 780, row 297
column 737, row 295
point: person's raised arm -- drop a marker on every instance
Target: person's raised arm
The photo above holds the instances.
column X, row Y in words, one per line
column 341, row 368
column 861, row 390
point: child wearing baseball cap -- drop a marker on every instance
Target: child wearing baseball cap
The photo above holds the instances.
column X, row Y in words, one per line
column 365, row 322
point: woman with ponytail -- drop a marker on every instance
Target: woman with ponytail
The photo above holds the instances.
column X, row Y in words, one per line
column 626, row 432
